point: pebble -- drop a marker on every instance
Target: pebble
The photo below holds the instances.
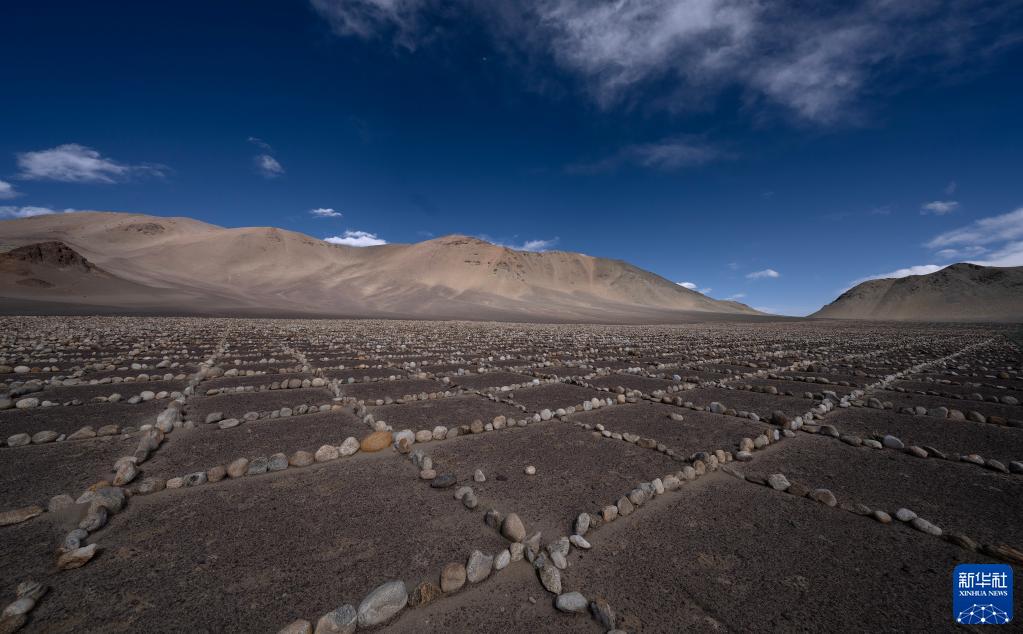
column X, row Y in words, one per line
column 478, row 476
column 443, row 481
column 905, row 515
column 238, row 468
column 502, row 559
column 550, row 577
column 77, row 558
column 512, row 528
column 452, row 577
column 479, row 566
column 376, row 441
column 301, row 459
column 778, row 482
column 424, row 593
column 301, row 626
column 579, row 542
column 349, row 447
column 924, row 526
column 530, row 470
column 824, row 496
column 571, row 602
column 326, row 453
column 383, row 603
column 277, row 462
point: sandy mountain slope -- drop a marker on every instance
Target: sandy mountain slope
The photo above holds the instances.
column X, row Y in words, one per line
column 961, row 292
column 184, row 266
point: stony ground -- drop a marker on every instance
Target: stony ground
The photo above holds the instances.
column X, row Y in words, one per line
column 199, row 475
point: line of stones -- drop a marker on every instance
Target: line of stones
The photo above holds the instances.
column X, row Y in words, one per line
column 104, row 499
column 1002, row 551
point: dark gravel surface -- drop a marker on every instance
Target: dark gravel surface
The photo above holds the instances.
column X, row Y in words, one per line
column 66, row 420
column 700, row 431
column 258, row 380
column 490, row 379
column 901, row 399
column 187, row 451
column 237, row 405
column 35, row 473
column 723, row 555
column 393, row 389
column 554, row 395
column 631, row 382
column 126, row 390
column 991, row 441
column 798, row 388
column 254, row 554
column 987, row 505
column 360, row 374
column 574, row 471
column 449, row 412
column 742, row 400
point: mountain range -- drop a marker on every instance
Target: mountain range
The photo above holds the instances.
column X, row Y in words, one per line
column 105, row 262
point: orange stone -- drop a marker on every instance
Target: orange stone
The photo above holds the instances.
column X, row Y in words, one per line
column 376, row 441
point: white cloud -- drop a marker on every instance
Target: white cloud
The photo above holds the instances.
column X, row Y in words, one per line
column 994, row 229
column 354, row 238
column 920, row 269
column 7, row 191
column 538, row 245
column 74, row 163
column 765, row 274
column 688, row 285
column 1009, row 254
column 705, row 291
column 813, row 59
column 535, row 245
column 30, row 211
column 325, row 212
column 268, row 166
column 736, row 297
column 939, row 207
column 962, row 253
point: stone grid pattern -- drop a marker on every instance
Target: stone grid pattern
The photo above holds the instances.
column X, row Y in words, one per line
column 260, row 373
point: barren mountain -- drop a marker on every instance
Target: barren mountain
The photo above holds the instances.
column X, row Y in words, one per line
column 961, row 292
column 183, row 266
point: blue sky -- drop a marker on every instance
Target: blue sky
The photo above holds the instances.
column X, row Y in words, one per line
column 769, row 152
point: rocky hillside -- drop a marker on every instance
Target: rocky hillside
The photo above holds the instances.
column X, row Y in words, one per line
column 961, row 292
column 185, row 266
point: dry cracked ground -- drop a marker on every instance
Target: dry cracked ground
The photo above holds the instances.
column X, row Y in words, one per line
column 200, row 475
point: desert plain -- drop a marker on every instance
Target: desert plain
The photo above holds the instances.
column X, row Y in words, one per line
column 264, row 475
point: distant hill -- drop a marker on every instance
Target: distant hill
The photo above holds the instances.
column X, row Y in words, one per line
column 147, row 264
column 961, row 292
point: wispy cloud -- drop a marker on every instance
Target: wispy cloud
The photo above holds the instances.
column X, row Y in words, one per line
column 74, row 163
column 30, row 211
column 325, row 212
column 355, row 238
column 266, row 165
column 939, row 207
column 998, row 238
column 688, row 285
column 536, row 245
column 666, row 155
column 736, row 297
column 7, row 191
column 762, row 275
column 982, row 232
column 815, row 60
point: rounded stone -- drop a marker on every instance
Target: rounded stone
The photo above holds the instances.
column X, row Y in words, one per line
column 376, row 441
column 383, row 603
